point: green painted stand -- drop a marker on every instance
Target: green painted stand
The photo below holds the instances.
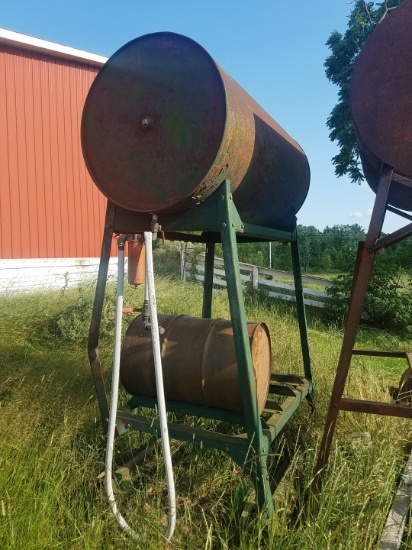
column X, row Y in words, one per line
column 216, row 220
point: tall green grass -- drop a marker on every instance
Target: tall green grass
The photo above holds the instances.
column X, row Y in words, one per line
column 52, row 450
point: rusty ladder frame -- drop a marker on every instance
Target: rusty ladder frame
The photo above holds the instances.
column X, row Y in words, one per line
column 219, row 221
column 362, row 275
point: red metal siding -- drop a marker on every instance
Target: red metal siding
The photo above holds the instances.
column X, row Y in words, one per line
column 49, row 206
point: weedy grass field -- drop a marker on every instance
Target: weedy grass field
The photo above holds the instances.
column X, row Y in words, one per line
column 52, row 449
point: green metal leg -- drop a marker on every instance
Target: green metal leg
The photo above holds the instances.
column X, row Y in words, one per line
column 208, row 282
column 94, row 331
column 257, row 462
column 300, row 306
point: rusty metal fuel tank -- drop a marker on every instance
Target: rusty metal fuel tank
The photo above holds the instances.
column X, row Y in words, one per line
column 381, row 102
column 163, row 125
column 198, row 361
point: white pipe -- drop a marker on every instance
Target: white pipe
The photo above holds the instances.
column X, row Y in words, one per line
column 115, row 392
column 150, row 293
column 159, row 384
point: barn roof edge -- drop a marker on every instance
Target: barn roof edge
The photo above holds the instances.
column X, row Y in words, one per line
column 31, row 43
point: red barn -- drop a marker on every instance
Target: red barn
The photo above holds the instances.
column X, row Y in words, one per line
column 51, row 213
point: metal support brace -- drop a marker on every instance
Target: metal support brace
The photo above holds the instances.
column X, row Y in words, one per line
column 300, row 306
column 93, row 342
column 259, row 446
column 208, row 282
column 362, row 275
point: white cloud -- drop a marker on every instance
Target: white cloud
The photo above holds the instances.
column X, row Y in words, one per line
column 366, row 214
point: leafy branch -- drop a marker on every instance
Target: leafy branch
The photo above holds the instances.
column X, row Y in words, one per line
column 338, row 68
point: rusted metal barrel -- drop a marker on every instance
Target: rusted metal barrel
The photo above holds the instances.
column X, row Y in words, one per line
column 381, row 102
column 163, row 125
column 198, row 361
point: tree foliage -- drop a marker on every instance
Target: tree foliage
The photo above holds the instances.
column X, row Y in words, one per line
column 388, row 301
column 339, row 65
column 334, row 248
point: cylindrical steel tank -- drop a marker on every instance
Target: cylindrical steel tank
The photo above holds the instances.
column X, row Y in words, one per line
column 163, row 125
column 198, row 361
column 381, row 102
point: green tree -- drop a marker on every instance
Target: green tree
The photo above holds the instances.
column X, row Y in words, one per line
column 309, row 245
column 388, row 301
column 281, row 256
column 254, row 253
column 403, row 252
column 339, row 235
column 339, row 65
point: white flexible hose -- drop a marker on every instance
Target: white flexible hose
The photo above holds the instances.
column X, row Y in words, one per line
column 150, row 291
column 115, row 395
column 159, row 384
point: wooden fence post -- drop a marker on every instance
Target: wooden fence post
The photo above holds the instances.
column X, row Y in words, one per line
column 183, row 251
column 255, row 276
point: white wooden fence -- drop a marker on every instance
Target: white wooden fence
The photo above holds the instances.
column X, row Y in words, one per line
column 39, row 274
column 278, row 284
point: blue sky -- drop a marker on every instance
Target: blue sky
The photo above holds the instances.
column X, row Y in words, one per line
column 274, row 49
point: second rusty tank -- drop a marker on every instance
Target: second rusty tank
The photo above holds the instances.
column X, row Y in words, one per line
column 163, row 125
column 381, row 103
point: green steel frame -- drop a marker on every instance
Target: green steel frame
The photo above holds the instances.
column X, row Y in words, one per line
column 217, row 220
